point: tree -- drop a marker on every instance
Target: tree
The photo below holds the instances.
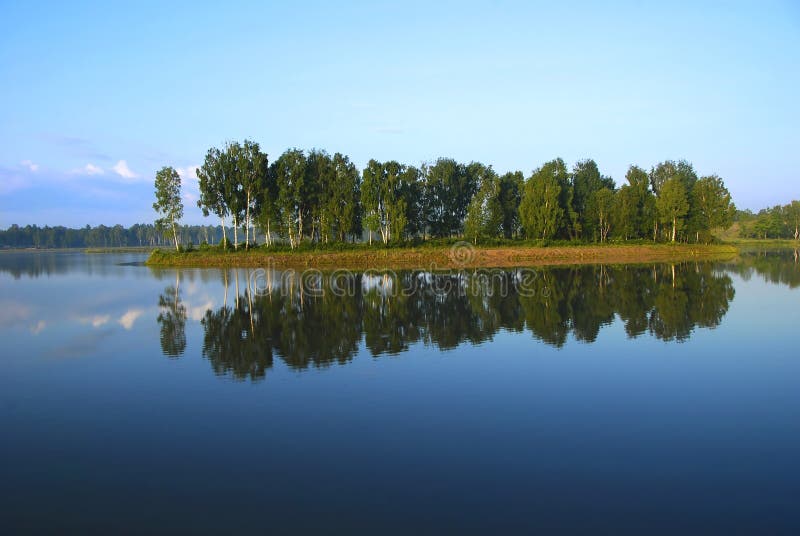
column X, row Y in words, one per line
column 510, row 195
column 449, row 187
column 290, row 172
column 711, row 206
column 670, row 169
column 251, row 169
column 673, row 205
column 344, row 204
column 599, row 210
column 266, row 203
column 793, row 212
column 233, row 191
column 626, row 212
column 485, row 212
column 213, row 178
column 410, row 190
column 320, row 176
column 642, row 221
column 586, row 180
column 540, row 210
column 381, row 196
column 168, row 200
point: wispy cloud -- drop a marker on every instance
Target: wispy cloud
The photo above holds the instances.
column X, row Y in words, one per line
column 30, row 166
column 121, row 168
column 127, row 320
column 91, row 169
column 96, row 321
column 75, row 146
column 38, row 327
column 188, row 173
column 191, row 190
column 12, row 180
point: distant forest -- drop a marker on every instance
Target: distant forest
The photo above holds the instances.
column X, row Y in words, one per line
column 781, row 221
column 33, row 236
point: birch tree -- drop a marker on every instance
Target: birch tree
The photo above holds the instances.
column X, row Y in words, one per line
column 168, row 200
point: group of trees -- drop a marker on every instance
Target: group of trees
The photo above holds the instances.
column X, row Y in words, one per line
column 781, row 221
column 670, row 202
column 322, row 198
column 313, row 196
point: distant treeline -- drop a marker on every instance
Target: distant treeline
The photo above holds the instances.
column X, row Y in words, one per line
column 33, row 236
column 313, row 196
column 776, row 222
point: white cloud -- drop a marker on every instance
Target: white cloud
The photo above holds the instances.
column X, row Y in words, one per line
column 38, row 327
column 188, row 173
column 190, row 198
column 30, row 166
column 88, row 169
column 189, row 181
column 91, row 169
column 197, row 313
column 12, row 180
column 121, row 168
column 96, row 321
column 130, row 316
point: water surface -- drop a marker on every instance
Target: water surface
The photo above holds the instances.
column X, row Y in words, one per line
column 646, row 399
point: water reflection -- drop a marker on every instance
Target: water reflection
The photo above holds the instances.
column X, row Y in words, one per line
column 780, row 267
column 302, row 328
column 172, row 321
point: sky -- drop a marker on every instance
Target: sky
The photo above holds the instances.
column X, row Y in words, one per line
column 95, row 97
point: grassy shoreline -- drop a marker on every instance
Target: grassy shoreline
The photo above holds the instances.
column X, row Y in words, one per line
column 443, row 257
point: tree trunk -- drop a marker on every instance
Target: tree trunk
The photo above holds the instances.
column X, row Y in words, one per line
column 300, row 227
column 247, row 223
column 674, row 227
column 224, row 233
column 235, row 233
column 175, row 234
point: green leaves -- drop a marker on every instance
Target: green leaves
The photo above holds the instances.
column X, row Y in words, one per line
column 540, row 210
column 673, row 204
column 168, row 200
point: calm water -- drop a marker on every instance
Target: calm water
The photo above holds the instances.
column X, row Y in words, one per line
column 652, row 399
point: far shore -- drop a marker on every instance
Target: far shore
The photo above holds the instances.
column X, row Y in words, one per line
column 443, row 257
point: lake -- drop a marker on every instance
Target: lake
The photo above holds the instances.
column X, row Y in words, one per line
column 597, row 399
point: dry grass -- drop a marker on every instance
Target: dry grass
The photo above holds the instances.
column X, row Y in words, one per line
column 460, row 256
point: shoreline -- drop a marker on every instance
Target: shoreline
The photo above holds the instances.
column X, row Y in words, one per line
column 442, row 257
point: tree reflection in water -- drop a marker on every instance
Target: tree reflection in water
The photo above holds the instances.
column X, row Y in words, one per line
column 172, row 319
column 392, row 312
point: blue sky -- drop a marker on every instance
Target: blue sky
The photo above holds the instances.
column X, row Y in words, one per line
column 96, row 97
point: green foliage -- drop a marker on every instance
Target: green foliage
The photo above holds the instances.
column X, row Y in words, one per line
column 485, row 214
column 776, row 222
column 449, row 187
column 599, row 212
column 318, row 198
column 711, row 207
column 390, row 197
column 168, row 201
column 540, row 209
column 586, row 181
column 673, row 205
column 510, row 196
column 294, row 194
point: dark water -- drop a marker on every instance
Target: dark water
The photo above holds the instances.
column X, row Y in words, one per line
column 648, row 399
